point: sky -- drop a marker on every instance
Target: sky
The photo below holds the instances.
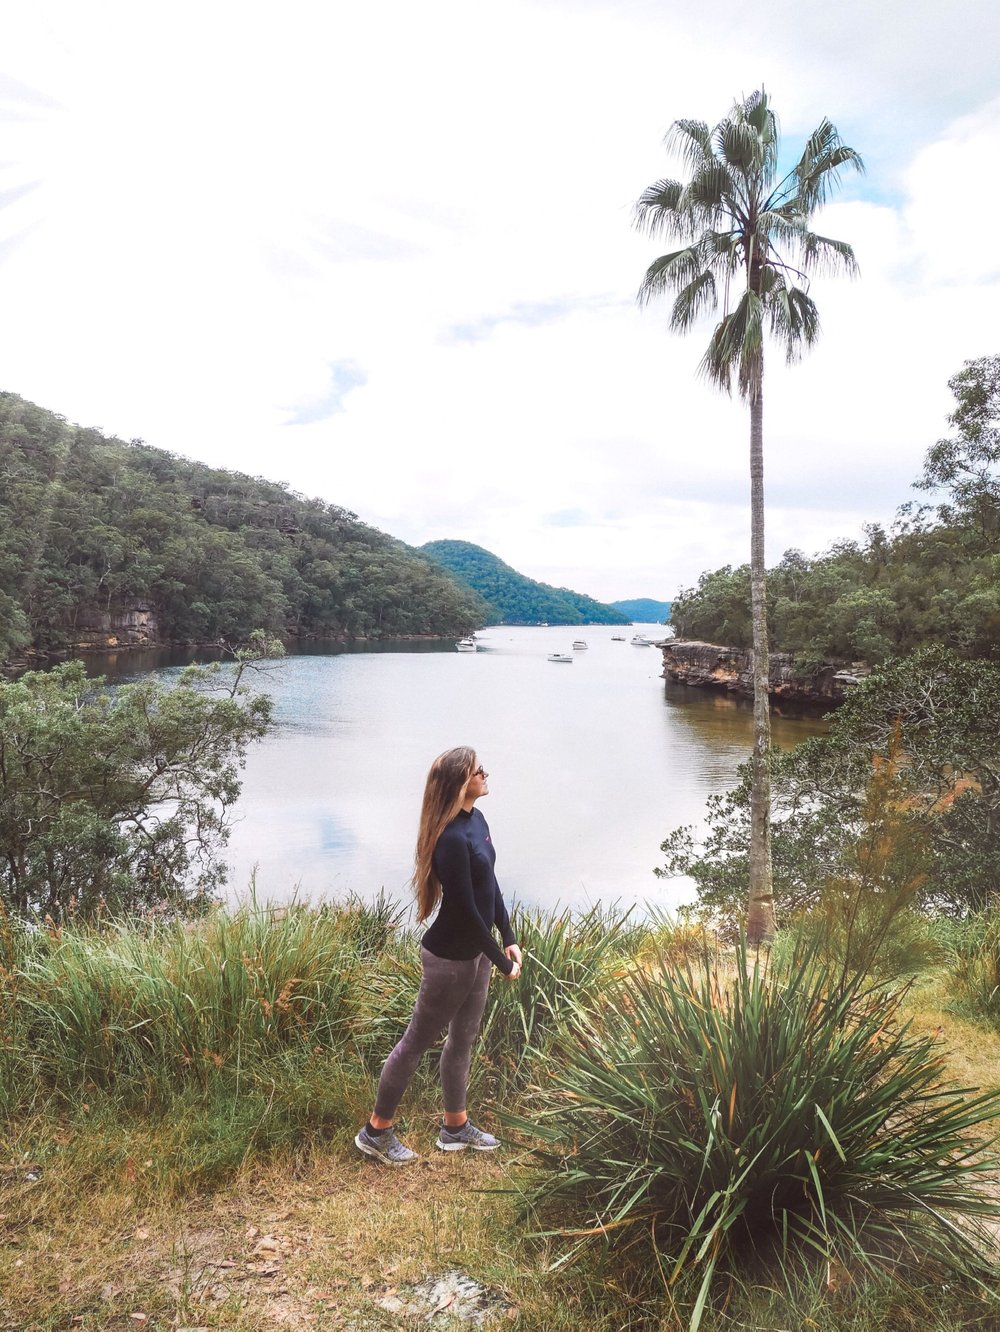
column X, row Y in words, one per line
column 384, row 252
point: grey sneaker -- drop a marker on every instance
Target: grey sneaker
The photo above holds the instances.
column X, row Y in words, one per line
column 385, row 1147
column 456, row 1140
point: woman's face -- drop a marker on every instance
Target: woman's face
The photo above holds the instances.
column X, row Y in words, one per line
column 478, row 785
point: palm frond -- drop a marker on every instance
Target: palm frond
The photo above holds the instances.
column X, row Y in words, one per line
column 711, row 187
column 670, row 273
column 820, row 142
column 757, row 110
column 817, row 171
column 658, row 211
column 698, row 297
column 823, row 254
column 721, row 251
column 794, row 318
column 737, row 347
column 748, row 138
column 691, row 140
column 779, row 224
column 741, row 147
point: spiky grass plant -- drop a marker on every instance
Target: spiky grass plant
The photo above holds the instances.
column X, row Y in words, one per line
column 568, row 958
column 701, row 1121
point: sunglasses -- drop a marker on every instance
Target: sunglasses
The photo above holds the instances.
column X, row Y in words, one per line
column 478, row 772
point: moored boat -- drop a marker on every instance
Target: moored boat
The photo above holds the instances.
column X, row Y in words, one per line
column 560, row 657
column 579, row 645
column 640, row 640
column 466, row 645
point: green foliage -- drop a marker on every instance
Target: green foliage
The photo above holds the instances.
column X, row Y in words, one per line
column 147, row 1009
column 934, row 579
column 859, row 602
column 717, row 610
column 940, row 711
column 702, row 1115
column 865, row 920
column 967, row 465
column 117, row 800
column 568, row 958
column 860, row 932
column 743, row 225
column 93, row 528
column 512, row 598
column 976, row 968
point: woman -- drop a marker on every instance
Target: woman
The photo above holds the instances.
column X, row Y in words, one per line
column 454, row 867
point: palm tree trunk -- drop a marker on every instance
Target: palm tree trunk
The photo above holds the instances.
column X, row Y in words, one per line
column 760, row 910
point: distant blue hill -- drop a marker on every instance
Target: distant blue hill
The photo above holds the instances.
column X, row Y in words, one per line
column 644, row 610
column 513, row 598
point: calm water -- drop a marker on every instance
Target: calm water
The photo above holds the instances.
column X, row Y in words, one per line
column 590, row 764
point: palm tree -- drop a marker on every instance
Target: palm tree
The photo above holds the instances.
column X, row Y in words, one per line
column 746, row 229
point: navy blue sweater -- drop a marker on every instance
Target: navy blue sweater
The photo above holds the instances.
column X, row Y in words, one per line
column 471, row 902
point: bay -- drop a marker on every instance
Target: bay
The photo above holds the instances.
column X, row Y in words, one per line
column 591, row 764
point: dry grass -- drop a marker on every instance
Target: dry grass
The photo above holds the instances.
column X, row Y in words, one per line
column 970, row 1048
column 307, row 1241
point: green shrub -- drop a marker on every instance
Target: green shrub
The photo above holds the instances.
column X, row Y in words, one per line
column 905, row 945
column 694, row 1116
column 149, row 1009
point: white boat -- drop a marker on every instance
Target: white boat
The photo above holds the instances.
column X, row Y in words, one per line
column 618, row 638
column 466, row 645
column 560, row 657
column 579, row 645
column 640, row 640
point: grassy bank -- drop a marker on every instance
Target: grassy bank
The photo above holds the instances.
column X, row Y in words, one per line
column 179, row 1101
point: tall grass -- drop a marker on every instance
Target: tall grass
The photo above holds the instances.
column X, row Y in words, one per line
column 149, row 1009
column 698, row 1117
column 245, row 998
column 566, row 955
column 568, row 959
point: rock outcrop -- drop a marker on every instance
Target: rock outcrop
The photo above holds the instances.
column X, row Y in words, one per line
column 134, row 625
column 714, row 666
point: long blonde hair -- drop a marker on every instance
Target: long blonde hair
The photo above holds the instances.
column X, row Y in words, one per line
column 444, row 795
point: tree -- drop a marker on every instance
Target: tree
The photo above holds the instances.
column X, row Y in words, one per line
column 968, row 464
column 745, row 227
column 930, row 720
column 118, row 798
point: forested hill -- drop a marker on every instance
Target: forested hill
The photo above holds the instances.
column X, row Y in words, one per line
column 94, row 531
column 644, row 610
column 513, row 598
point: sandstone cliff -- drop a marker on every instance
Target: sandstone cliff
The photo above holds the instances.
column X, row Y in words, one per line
column 715, row 666
column 132, row 626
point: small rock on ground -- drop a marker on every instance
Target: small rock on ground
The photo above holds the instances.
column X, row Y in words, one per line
column 452, row 1295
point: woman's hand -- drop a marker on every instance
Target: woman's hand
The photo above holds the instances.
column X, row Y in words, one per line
column 514, row 953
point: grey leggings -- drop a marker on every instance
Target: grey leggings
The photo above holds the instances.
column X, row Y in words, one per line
column 453, row 995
